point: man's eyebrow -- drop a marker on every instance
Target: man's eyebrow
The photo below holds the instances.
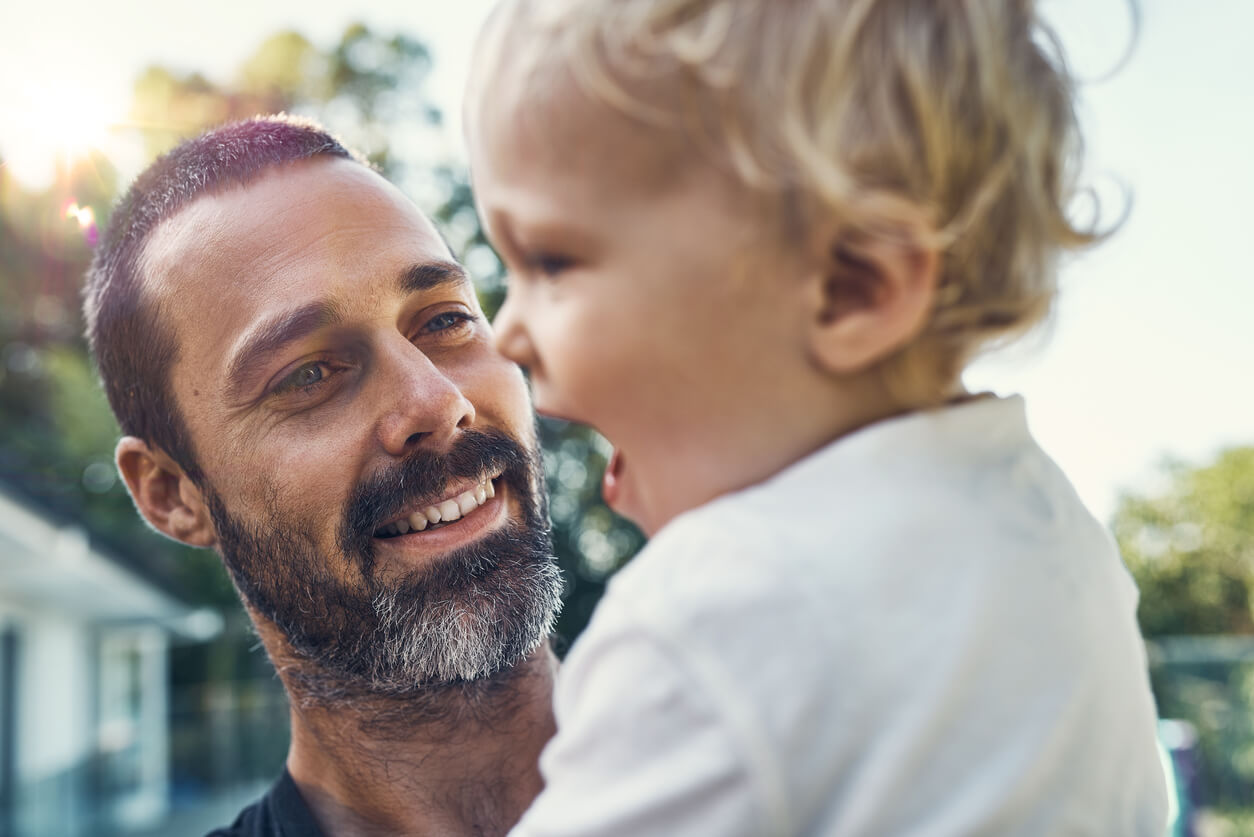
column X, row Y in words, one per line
column 274, row 334
column 428, row 275
column 270, row 336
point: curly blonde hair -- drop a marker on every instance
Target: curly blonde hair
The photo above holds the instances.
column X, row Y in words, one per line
column 951, row 122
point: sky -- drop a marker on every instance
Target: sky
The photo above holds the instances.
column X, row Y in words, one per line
column 1151, row 350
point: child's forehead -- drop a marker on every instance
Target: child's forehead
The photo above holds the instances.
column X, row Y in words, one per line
column 556, row 126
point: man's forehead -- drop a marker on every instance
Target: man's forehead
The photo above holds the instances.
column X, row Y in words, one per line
column 324, row 230
column 312, row 208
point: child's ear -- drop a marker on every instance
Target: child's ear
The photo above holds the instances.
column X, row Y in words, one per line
column 872, row 296
column 164, row 494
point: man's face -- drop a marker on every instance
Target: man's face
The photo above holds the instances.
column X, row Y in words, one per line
column 368, row 458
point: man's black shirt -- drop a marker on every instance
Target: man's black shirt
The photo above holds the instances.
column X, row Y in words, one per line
column 280, row 813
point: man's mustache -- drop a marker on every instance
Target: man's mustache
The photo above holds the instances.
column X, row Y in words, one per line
column 423, row 476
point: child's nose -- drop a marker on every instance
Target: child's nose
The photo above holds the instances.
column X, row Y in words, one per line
column 512, row 339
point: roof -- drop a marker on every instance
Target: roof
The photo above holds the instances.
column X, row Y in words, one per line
column 48, row 563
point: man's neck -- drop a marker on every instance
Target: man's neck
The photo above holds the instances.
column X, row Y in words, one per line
column 461, row 760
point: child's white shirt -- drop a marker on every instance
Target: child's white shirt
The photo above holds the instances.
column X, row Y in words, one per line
column 918, row 630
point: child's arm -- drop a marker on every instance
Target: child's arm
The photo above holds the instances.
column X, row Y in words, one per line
column 648, row 743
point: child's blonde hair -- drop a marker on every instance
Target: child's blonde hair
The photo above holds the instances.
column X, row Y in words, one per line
column 950, row 122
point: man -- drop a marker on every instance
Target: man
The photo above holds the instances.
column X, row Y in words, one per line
column 306, row 383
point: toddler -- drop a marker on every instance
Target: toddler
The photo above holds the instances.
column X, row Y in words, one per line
column 755, row 245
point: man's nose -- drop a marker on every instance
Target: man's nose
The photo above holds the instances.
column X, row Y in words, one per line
column 423, row 405
column 512, row 339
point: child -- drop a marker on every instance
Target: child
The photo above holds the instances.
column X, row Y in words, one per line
column 755, row 244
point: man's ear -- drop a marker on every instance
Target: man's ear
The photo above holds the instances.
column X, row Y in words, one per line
column 872, row 296
column 164, row 494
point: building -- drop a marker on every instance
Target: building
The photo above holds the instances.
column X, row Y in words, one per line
column 84, row 695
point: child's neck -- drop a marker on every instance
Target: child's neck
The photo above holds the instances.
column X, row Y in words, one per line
column 782, row 433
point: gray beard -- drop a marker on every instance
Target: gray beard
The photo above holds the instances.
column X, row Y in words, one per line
column 460, row 625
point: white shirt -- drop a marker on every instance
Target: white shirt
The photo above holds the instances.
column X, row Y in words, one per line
column 918, row 630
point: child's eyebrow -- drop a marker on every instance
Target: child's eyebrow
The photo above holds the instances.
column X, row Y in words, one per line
column 564, row 234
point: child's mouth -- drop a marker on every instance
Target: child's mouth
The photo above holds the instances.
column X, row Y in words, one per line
column 611, row 482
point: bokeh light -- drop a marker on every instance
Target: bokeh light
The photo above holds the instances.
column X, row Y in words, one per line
column 86, row 218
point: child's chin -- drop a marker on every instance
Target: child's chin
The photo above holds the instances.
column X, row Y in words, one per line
column 617, row 490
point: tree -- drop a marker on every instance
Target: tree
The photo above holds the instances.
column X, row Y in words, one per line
column 369, row 88
column 1190, row 546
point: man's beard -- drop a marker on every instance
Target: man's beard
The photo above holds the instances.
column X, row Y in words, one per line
column 473, row 613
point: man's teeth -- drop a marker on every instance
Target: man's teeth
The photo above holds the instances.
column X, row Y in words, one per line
column 447, row 511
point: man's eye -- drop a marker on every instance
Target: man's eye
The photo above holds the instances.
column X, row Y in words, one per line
column 447, row 321
column 303, row 378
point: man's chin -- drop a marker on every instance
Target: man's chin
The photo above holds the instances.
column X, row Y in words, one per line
column 456, row 614
column 471, row 614
column 480, row 609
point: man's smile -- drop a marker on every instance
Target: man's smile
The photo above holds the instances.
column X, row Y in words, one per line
column 423, row 506
column 456, row 504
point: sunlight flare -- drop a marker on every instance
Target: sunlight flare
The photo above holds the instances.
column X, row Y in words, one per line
column 62, row 121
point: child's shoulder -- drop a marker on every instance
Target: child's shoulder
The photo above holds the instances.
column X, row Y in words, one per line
column 963, row 497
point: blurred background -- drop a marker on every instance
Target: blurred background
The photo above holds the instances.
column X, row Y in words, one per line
column 133, row 697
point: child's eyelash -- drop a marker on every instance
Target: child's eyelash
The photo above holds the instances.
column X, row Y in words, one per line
column 549, row 264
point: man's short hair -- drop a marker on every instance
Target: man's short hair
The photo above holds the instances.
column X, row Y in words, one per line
column 134, row 348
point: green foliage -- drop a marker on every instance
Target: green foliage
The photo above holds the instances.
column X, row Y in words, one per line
column 368, row 88
column 1228, row 822
column 287, row 66
column 1218, row 700
column 1190, row 547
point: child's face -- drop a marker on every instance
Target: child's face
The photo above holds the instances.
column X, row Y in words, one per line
column 650, row 302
